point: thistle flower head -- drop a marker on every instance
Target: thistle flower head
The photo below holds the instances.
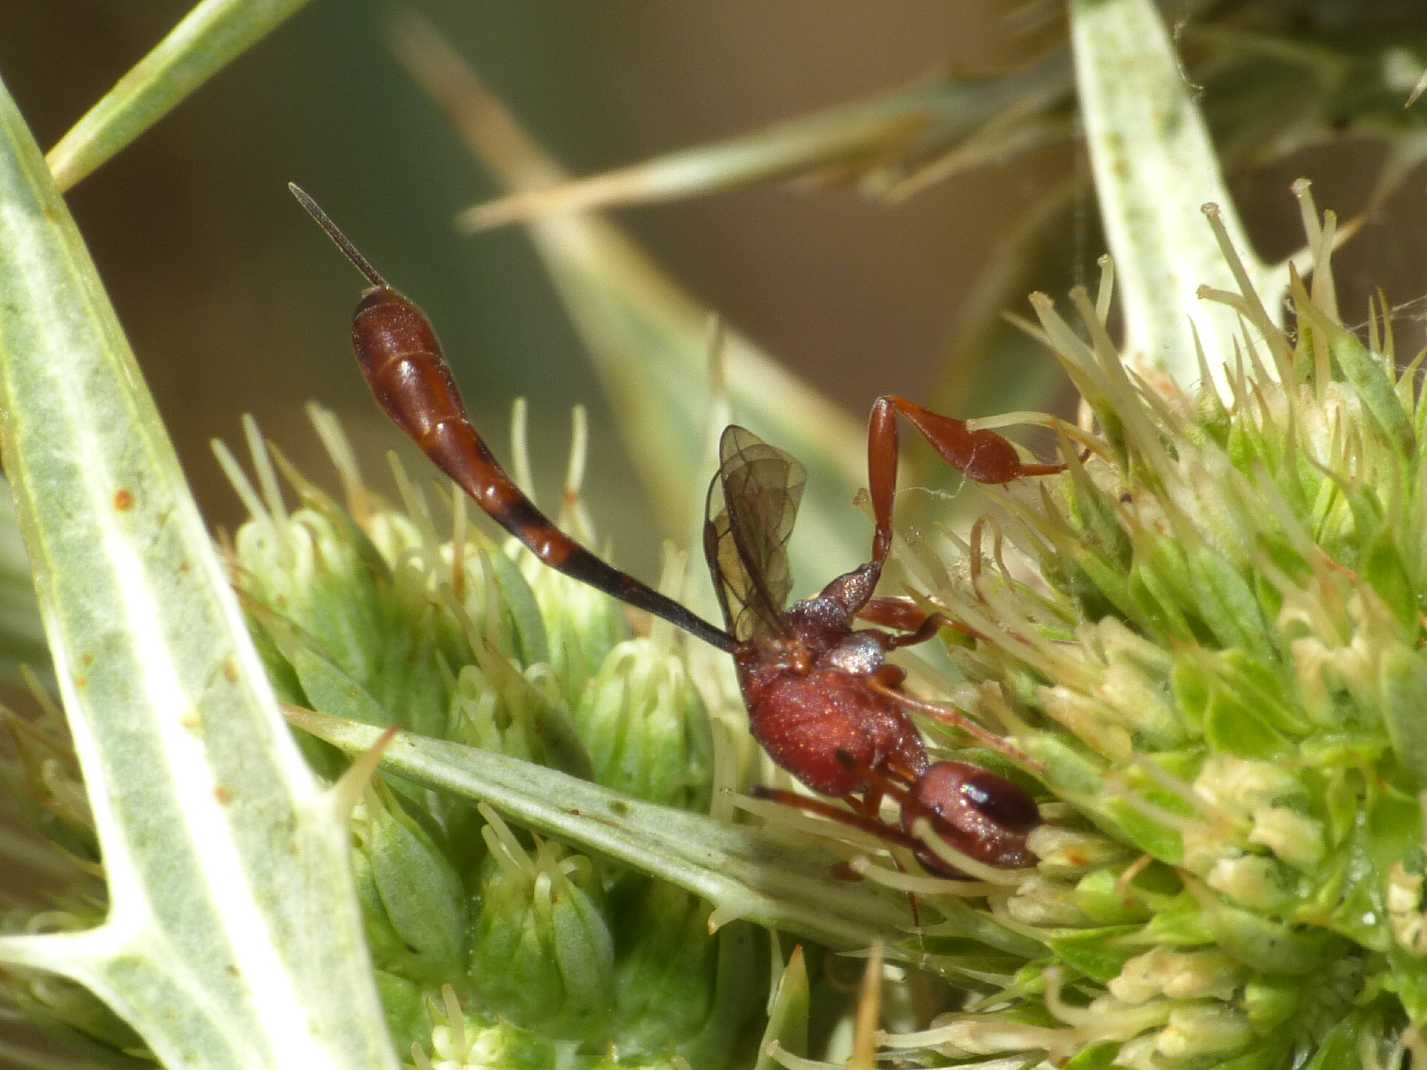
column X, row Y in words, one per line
column 1207, row 633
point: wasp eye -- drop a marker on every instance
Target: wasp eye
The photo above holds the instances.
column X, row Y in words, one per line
column 1003, row 801
column 951, row 787
column 976, row 811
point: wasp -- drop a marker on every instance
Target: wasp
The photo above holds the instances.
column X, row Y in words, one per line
column 822, row 698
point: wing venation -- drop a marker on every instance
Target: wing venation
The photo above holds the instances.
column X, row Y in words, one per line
column 752, row 504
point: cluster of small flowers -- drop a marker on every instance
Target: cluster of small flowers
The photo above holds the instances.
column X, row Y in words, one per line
column 1208, row 637
column 369, row 614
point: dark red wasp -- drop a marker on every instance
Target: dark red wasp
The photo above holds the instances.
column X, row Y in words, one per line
column 822, row 699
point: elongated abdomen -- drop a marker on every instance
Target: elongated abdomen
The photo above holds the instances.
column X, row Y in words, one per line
column 402, row 363
column 401, row 359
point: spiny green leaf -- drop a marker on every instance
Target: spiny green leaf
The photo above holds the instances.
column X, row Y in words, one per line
column 233, row 937
column 211, row 36
column 1154, row 166
column 744, row 872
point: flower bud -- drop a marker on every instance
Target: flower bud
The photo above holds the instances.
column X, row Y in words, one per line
column 1250, row 881
column 497, row 707
column 1240, row 785
column 1099, row 897
column 1402, row 675
column 1294, row 837
column 1177, row 975
column 1200, row 1031
column 1134, row 683
column 1404, row 909
column 680, row 990
column 645, row 727
column 497, row 605
column 466, row 1040
column 383, row 941
column 1063, row 852
column 422, row 904
column 1039, row 901
column 542, row 954
column 40, row 778
column 1089, row 719
column 1271, row 1001
column 339, row 617
column 582, row 625
column 317, row 570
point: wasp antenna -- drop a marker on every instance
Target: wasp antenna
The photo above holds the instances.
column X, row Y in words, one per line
column 323, row 220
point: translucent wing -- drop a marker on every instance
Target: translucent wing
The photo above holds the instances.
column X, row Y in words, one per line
column 752, row 503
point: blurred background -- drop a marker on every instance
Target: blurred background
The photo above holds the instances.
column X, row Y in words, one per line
column 235, row 303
